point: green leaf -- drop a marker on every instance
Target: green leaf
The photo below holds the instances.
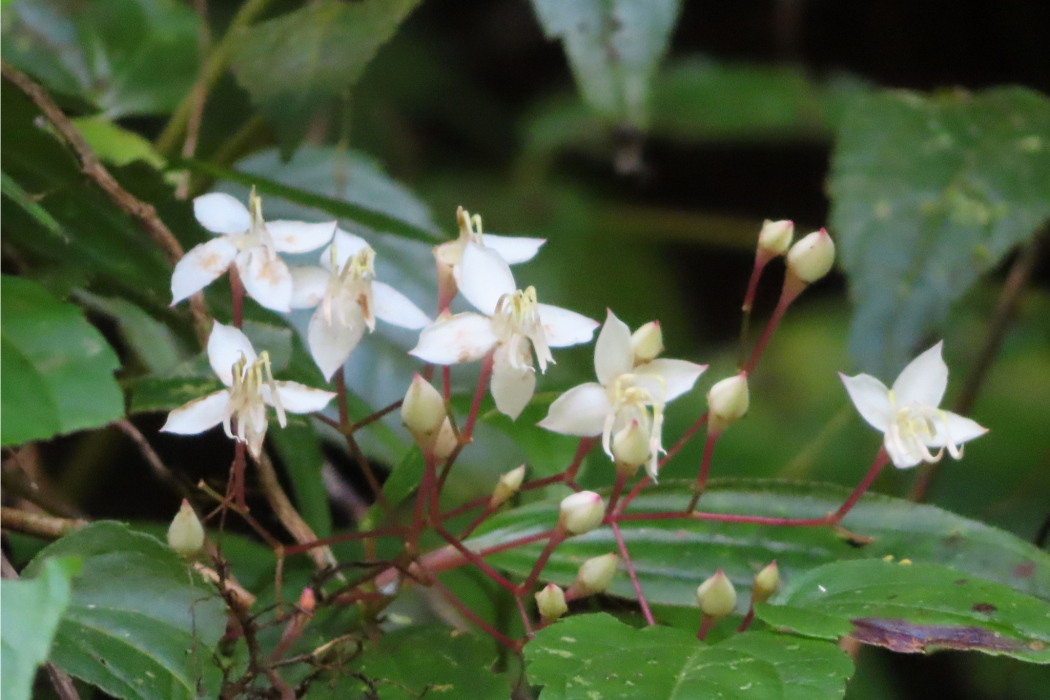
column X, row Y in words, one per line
column 928, row 192
column 299, row 448
column 589, row 656
column 164, row 391
column 614, row 47
column 56, row 353
column 19, row 196
column 913, row 608
column 157, row 347
column 115, row 144
column 673, row 556
column 138, row 625
column 293, row 64
column 31, row 610
column 126, row 56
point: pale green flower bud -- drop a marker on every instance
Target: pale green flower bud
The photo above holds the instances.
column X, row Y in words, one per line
column 766, row 583
column 551, row 603
column 630, row 448
column 647, row 342
column 775, row 238
column 581, row 512
column 716, row 596
column 728, row 401
column 423, row 411
column 186, row 534
column 507, row 486
column 595, row 575
column 812, row 257
column 445, row 441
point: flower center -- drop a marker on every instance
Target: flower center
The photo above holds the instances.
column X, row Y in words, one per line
column 257, row 236
column 914, row 431
column 516, row 318
column 451, row 253
column 247, row 406
column 633, row 400
column 351, row 285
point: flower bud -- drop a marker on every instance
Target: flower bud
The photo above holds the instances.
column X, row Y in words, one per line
column 581, row 512
column 423, row 411
column 630, row 448
column 551, row 603
column 812, row 257
column 716, row 596
column 728, row 401
column 766, row 582
column 595, row 575
column 647, row 342
column 186, row 534
column 775, row 238
column 445, row 441
column 507, row 486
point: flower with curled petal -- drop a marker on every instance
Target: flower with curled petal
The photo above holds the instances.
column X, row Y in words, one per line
column 908, row 413
column 628, row 389
column 512, row 324
column 244, row 239
column 250, row 388
column 349, row 300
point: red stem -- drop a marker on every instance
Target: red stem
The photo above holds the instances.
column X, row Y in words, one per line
column 705, row 467
column 706, row 623
column 645, row 480
column 479, row 394
column 631, row 572
column 583, row 448
column 476, row 560
column 346, row 536
column 446, row 382
column 792, row 288
column 541, row 561
column 238, row 475
column 237, row 293
column 615, row 496
column 525, row 621
column 470, row 614
column 746, row 622
column 752, row 284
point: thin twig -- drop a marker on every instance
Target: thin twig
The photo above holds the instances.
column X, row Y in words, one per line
column 37, row 524
column 152, row 458
column 199, row 93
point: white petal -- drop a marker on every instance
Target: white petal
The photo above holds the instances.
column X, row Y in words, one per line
column 872, row 399
column 220, row 213
column 394, row 307
column 580, row 411
column 484, row 277
column 309, row 283
column 299, row 236
column 512, row 388
column 226, row 346
column 462, row 338
column 332, row 343
column 266, row 279
column 923, row 381
column 564, row 328
column 612, row 353
column 679, row 376
column 513, row 249
column 955, row 429
column 198, row 415
column 299, row 398
column 200, row 267
column 346, row 246
column 901, row 458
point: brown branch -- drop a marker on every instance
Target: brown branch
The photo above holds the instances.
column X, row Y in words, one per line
column 199, row 95
column 152, row 458
column 38, row 525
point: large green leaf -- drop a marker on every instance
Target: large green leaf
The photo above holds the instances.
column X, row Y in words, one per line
column 293, row 64
column 673, row 556
column 595, row 656
column 138, row 625
column 58, row 369
column 31, row 610
column 928, row 192
column 614, row 47
column 913, row 608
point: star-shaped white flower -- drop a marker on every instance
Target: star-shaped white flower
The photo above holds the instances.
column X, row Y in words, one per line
column 908, row 413
column 348, row 300
column 512, row 324
column 241, row 407
column 627, row 390
column 244, row 239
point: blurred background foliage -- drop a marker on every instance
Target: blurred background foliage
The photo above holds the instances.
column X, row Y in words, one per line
column 645, row 141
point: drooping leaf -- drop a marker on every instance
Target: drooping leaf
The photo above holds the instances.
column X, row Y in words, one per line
column 913, row 608
column 673, row 556
column 293, row 64
column 157, row 347
column 613, row 47
column 928, row 192
column 115, row 144
column 31, row 611
column 587, row 656
column 138, row 625
column 51, row 349
column 298, row 446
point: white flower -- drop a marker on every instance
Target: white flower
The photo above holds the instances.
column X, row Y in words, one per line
column 908, row 413
column 245, row 240
column 512, row 324
column 241, row 407
column 627, row 390
column 348, row 300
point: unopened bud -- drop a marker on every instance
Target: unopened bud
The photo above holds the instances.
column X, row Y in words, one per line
column 812, row 257
column 766, row 582
column 551, row 603
column 423, row 411
column 581, row 512
column 507, row 486
column 307, row 601
column 630, row 448
column 716, row 596
column 647, row 342
column 775, row 238
column 728, row 401
column 595, row 575
column 445, row 442
column 186, row 534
